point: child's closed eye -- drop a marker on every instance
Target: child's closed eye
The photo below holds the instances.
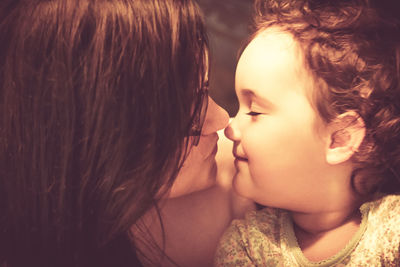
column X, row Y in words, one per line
column 253, row 113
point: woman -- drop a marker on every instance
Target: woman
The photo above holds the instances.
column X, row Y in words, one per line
column 101, row 103
column 187, row 228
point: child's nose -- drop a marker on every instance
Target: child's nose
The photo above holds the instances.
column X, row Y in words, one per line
column 216, row 118
column 231, row 131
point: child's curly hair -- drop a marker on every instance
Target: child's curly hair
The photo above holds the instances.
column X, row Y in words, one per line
column 352, row 49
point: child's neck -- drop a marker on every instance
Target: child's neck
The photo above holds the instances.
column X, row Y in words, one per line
column 322, row 235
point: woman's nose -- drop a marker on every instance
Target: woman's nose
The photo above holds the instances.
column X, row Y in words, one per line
column 216, row 118
column 231, row 131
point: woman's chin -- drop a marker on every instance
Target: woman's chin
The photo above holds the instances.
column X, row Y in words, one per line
column 191, row 180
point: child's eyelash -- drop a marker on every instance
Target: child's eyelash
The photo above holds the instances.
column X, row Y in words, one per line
column 253, row 113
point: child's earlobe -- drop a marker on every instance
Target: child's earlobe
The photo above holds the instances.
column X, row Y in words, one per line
column 347, row 132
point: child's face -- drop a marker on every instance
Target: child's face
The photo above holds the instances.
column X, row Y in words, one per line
column 278, row 136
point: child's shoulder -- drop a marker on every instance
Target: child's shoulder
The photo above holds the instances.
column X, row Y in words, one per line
column 384, row 215
column 382, row 236
column 249, row 241
column 258, row 227
column 260, row 219
column 385, row 209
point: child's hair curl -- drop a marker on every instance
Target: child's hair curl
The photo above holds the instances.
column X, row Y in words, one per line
column 352, row 50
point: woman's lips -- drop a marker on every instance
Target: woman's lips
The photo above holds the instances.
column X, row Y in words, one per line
column 213, row 152
column 212, row 141
column 208, row 146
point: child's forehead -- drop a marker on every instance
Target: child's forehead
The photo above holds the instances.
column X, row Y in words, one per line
column 276, row 47
column 276, row 37
column 273, row 51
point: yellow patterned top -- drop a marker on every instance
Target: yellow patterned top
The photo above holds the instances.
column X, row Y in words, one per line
column 266, row 238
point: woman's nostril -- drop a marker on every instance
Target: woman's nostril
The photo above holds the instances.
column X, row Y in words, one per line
column 224, row 118
column 216, row 118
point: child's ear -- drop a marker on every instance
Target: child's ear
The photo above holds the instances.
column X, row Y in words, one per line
column 346, row 133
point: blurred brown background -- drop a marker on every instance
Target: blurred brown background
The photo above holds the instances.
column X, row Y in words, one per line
column 228, row 23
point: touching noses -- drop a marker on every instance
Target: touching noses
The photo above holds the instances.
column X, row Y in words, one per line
column 231, row 131
column 216, row 118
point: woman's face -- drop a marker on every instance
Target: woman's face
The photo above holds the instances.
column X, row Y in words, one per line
column 199, row 169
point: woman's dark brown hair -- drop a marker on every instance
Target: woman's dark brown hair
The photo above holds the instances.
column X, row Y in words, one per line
column 352, row 49
column 97, row 98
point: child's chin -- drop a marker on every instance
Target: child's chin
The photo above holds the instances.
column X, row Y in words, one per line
column 242, row 184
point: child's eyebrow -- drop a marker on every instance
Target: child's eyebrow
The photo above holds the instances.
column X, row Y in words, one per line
column 260, row 100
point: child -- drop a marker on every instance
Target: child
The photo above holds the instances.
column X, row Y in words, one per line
column 317, row 137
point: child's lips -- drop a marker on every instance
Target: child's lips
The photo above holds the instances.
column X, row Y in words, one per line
column 239, row 161
column 238, row 153
column 237, row 157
